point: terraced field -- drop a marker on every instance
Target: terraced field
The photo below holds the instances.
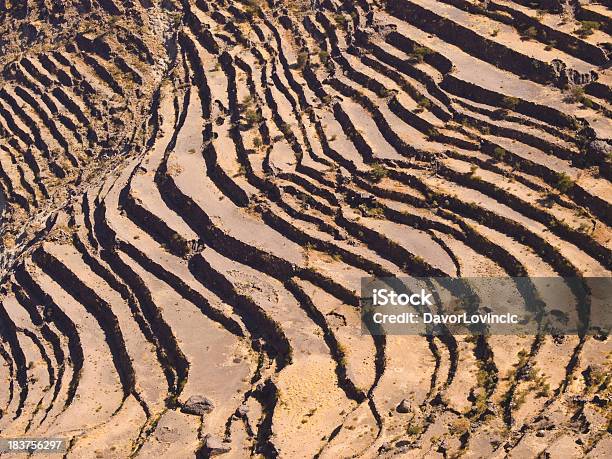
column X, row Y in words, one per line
column 194, row 190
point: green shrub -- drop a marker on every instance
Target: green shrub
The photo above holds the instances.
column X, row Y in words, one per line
column 587, row 102
column 564, row 182
column 323, row 57
column 285, row 129
column 424, row 102
column 302, row 59
column 372, row 211
column 246, row 102
column 414, row 428
column 252, row 117
column 587, row 28
column 340, row 20
column 574, row 94
column 499, row 153
column 420, row 52
column 241, row 171
column 378, row 172
column 433, row 133
column 459, row 426
column 530, row 33
column 510, row 102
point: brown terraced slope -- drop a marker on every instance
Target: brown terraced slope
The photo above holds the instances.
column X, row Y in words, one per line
column 191, row 190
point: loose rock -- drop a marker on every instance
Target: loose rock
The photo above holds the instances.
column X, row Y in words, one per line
column 198, row 405
column 404, row 407
column 213, row 446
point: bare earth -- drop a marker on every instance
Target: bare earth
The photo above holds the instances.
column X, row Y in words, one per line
column 191, row 190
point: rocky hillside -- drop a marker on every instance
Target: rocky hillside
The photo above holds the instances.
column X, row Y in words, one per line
column 191, row 191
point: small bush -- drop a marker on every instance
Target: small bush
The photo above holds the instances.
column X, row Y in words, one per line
column 372, row 211
column 510, row 102
column 583, row 228
column 424, row 102
column 241, row 171
column 564, row 182
column 414, row 428
column 499, row 153
column 252, row 8
column 247, row 101
column 378, row 172
column 587, row 102
column 552, row 43
column 252, row 117
column 543, row 390
column 574, row 94
column 302, row 59
column 459, row 426
column 340, row 20
column 323, row 57
column 530, row 33
column 480, row 404
column 433, row 133
column 420, row 52
column 285, row 129
column 519, row 399
column 587, row 28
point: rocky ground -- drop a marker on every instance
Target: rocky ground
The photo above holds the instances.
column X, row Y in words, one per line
column 195, row 188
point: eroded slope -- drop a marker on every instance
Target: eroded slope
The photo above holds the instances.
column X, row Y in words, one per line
column 194, row 190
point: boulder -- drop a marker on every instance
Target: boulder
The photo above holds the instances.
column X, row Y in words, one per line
column 213, row 446
column 243, row 410
column 404, row 407
column 568, row 76
column 600, row 148
column 198, row 405
column 356, row 199
column 554, row 6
